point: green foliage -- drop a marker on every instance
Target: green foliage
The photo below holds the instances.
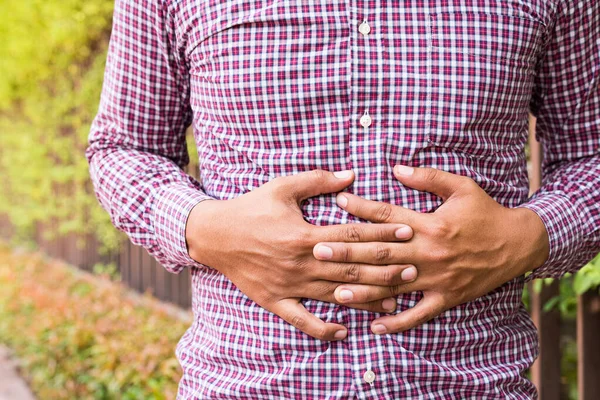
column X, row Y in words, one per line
column 588, row 277
column 109, row 271
column 52, row 56
column 83, row 337
column 571, row 285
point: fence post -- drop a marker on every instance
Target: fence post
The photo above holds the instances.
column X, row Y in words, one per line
column 545, row 372
column 588, row 346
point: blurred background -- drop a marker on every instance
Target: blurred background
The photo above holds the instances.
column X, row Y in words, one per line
column 70, row 318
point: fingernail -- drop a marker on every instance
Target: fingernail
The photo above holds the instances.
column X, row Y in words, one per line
column 324, row 252
column 342, row 200
column 378, row 329
column 343, row 174
column 340, row 334
column 346, row 295
column 389, row 304
column 403, row 170
column 409, row 274
column 403, row 233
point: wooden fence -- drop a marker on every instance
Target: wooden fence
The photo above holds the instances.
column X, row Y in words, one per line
column 142, row 273
column 135, row 266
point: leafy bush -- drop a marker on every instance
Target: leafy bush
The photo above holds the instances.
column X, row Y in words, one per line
column 52, row 56
column 83, row 337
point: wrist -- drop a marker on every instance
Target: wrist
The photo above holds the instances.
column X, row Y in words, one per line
column 200, row 229
column 531, row 239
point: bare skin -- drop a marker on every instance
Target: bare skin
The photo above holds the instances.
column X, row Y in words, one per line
column 469, row 246
column 261, row 243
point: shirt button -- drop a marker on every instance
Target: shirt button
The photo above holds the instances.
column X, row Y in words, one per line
column 365, row 120
column 364, row 28
column 369, row 377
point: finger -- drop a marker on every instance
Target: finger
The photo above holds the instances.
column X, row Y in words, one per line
column 362, row 233
column 441, row 183
column 312, row 183
column 430, row 306
column 293, row 312
column 386, row 305
column 384, row 275
column 350, row 294
column 324, row 291
column 377, row 211
column 377, row 253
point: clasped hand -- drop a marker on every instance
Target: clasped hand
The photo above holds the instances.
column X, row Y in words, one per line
column 467, row 247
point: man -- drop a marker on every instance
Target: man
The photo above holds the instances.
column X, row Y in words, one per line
column 314, row 117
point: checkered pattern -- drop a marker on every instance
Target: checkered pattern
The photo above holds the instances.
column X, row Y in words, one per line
column 278, row 87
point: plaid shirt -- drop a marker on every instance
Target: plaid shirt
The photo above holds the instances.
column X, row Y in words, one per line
column 279, row 87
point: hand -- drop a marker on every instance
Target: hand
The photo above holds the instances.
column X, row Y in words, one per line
column 469, row 246
column 261, row 243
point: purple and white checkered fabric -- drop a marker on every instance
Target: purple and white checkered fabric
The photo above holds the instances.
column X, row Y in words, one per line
column 276, row 87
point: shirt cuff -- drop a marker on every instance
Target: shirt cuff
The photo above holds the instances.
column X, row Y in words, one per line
column 564, row 228
column 172, row 208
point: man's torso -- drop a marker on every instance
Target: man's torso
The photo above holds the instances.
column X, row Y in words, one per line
column 280, row 87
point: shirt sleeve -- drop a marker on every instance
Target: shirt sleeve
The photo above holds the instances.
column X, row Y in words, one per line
column 566, row 103
column 137, row 146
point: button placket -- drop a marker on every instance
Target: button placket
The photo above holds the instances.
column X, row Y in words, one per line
column 364, row 28
column 363, row 38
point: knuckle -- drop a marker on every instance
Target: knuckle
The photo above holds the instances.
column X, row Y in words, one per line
column 352, row 234
column 353, row 273
column 468, row 184
column 438, row 228
column 388, row 277
column 296, row 266
column 440, row 255
column 422, row 316
column 298, row 321
column 319, row 175
column 384, row 212
column 320, row 332
column 430, row 174
column 346, row 254
column 384, row 234
column 324, row 292
column 443, row 228
column 382, row 253
column 394, row 290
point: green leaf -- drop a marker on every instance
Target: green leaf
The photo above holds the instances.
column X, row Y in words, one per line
column 550, row 304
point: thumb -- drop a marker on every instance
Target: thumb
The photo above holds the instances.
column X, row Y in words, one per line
column 441, row 183
column 429, row 307
column 313, row 183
